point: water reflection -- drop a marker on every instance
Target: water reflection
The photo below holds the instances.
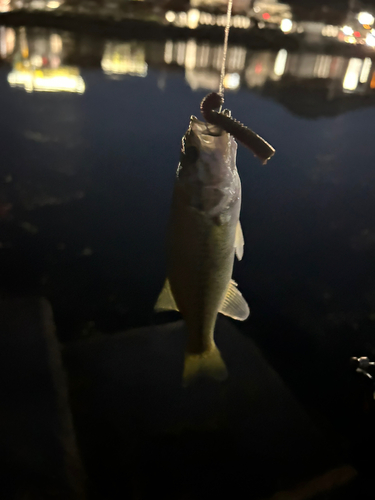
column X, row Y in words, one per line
column 87, row 178
column 37, row 61
column 42, row 61
column 124, row 59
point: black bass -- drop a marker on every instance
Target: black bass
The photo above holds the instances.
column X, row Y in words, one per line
column 204, row 236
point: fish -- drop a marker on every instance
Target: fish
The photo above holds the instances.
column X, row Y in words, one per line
column 204, row 235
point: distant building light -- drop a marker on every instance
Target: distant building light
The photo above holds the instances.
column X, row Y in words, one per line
column 280, row 62
column 193, row 18
column 266, row 16
column 349, row 39
column 181, row 19
column 170, row 16
column 365, row 71
column 347, row 30
column 286, row 25
column 357, row 34
column 232, row 81
column 366, row 18
column 206, row 18
column 367, row 26
column 53, row 4
column 4, row 5
column 330, row 30
column 352, row 74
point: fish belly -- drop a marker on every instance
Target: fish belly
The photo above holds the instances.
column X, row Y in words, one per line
column 201, row 256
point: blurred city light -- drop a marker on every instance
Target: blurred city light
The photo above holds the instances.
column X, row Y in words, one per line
column 193, row 18
column 170, row 16
column 4, row 5
column 347, row 30
column 286, row 25
column 53, row 4
column 232, row 81
column 365, row 18
column 7, row 41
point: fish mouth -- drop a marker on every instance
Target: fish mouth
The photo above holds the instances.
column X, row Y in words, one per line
column 208, row 139
column 205, row 129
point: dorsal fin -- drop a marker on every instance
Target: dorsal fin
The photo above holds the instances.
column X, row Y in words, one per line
column 166, row 300
column 234, row 305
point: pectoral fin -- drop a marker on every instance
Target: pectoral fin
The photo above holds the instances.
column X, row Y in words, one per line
column 239, row 241
column 234, row 305
column 166, row 300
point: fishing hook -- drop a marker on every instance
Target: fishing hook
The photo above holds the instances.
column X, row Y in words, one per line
column 243, row 134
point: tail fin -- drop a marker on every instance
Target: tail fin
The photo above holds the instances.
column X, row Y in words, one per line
column 209, row 364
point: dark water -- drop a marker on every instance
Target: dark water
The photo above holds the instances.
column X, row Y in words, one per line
column 90, row 137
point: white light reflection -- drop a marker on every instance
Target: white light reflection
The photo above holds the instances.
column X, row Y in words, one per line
column 370, row 40
column 168, row 51
column 352, row 74
column 7, row 41
column 191, row 54
column 280, row 62
column 365, row 71
column 322, row 66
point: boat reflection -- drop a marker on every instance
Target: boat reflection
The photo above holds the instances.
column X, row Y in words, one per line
column 37, row 61
column 62, row 79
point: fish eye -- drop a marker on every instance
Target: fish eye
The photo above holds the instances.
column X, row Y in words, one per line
column 191, row 154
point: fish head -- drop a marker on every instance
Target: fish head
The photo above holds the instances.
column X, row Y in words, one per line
column 207, row 170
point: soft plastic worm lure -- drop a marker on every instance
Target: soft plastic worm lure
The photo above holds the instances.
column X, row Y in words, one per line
column 243, row 134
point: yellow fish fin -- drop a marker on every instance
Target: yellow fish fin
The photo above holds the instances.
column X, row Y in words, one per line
column 166, row 300
column 239, row 241
column 234, row 305
column 209, row 364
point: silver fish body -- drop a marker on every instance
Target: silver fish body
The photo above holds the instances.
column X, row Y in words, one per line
column 204, row 234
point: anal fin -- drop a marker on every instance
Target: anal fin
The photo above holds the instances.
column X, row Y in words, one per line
column 234, row 305
column 166, row 300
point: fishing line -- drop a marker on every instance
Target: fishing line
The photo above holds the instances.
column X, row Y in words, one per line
column 223, row 119
column 225, row 49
